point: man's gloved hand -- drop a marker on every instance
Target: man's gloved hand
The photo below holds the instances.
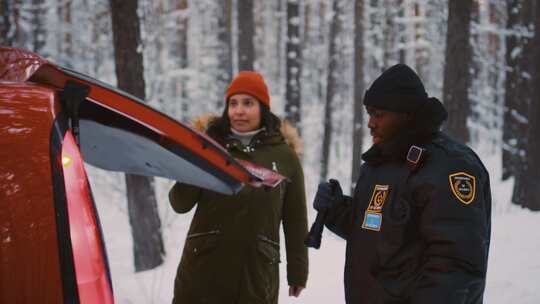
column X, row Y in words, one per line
column 328, row 194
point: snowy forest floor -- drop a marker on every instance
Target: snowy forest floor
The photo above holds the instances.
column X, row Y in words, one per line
column 513, row 274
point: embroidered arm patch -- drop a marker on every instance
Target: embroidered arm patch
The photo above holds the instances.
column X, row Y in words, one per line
column 463, row 186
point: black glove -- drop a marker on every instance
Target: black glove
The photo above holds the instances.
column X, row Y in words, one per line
column 328, row 194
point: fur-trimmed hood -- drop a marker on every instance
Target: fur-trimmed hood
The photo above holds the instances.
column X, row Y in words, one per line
column 290, row 133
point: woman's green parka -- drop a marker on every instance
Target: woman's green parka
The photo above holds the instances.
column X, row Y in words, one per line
column 232, row 250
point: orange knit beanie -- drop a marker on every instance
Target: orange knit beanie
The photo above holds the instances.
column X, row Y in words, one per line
column 251, row 83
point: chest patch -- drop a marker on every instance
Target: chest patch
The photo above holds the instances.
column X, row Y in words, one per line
column 380, row 193
column 373, row 213
column 463, row 186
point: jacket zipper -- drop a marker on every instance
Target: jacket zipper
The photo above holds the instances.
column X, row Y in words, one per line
column 195, row 235
column 267, row 240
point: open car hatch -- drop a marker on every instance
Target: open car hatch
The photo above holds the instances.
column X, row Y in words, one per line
column 118, row 132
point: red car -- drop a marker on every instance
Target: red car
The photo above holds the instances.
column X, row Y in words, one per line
column 51, row 120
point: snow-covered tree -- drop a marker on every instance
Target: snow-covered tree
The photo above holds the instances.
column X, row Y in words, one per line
column 532, row 175
column 293, row 105
column 144, row 218
column 518, row 84
column 38, row 31
column 224, row 54
column 246, row 33
column 457, row 76
column 6, row 36
column 488, row 68
column 332, row 87
column 519, row 89
column 359, row 88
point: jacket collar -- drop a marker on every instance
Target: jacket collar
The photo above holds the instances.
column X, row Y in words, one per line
column 424, row 127
column 260, row 139
column 287, row 133
column 396, row 149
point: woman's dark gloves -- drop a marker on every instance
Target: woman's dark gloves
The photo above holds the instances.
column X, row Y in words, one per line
column 328, row 195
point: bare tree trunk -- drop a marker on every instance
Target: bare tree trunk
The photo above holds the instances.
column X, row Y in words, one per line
column 143, row 215
column 403, row 30
column 391, row 12
column 307, row 23
column 532, row 195
column 456, row 71
column 497, row 13
column 421, row 52
column 279, row 40
column 224, row 76
column 99, row 23
column 38, row 25
column 518, row 91
column 333, row 76
column 246, row 33
column 293, row 53
column 183, row 27
column 182, row 43
column 11, row 32
column 6, row 38
column 65, row 43
column 476, row 39
column 359, row 88
column 323, row 40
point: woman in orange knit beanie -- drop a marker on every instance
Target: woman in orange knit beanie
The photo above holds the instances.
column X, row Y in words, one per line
column 232, row 251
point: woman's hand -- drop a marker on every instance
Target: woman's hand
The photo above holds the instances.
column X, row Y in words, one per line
column 294, row 291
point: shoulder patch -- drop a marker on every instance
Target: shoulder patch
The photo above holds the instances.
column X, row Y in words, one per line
column 463, row 186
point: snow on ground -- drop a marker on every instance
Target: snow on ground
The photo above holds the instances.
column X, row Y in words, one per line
column 514, row 265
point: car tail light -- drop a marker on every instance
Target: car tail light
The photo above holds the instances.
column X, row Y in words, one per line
column 88, row 253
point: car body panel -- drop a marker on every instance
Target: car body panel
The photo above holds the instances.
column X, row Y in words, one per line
column 29, row 252
column 17, row 65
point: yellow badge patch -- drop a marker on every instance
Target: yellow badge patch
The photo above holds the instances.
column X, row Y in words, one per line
column 463, row 186
column 380, row 193
column 373, row 214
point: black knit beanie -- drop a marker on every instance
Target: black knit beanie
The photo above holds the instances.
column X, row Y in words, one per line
column 398, row 89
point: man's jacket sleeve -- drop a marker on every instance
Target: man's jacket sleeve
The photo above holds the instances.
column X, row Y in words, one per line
column 339, row 218
column 456, row 229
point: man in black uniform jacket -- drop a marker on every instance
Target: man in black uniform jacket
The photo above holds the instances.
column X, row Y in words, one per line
column 418, row 225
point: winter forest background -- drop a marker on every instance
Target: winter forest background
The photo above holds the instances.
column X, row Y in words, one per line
column 481, row 58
